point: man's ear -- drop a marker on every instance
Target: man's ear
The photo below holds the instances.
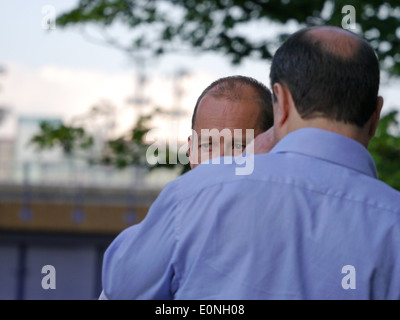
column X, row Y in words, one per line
column 283, row 99
column 375, row 117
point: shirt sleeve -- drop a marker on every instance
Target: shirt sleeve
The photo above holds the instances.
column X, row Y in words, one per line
column 138, row 264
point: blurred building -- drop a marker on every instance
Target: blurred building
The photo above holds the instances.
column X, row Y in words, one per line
column 6, row 158
column 63, row 212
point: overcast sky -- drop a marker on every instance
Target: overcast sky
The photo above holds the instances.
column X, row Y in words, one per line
column 59, row 73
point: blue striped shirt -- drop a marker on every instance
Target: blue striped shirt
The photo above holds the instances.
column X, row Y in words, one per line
column 312, row 221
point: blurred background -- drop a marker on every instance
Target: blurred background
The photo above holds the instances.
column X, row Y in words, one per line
column 87, row 86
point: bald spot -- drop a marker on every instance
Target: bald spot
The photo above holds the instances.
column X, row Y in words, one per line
column 233, row 106
column 231, row 90
column 336, row 41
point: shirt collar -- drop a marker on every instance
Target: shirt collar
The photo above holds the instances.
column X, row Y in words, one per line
column 329, row 146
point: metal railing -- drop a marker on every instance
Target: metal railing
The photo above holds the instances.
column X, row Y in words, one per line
column 82, row 174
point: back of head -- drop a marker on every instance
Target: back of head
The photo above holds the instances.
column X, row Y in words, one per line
column 330, row 73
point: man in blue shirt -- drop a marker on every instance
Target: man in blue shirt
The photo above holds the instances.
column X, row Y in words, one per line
column 312, row 221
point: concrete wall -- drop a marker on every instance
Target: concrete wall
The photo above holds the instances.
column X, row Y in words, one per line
column 68, row 229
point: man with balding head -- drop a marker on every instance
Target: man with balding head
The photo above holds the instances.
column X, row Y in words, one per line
column 312, row 221
column 228, row 114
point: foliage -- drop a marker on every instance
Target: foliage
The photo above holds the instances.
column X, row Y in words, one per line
column 68, row 138
column 158, row 27
column 385, row 149
column 126, row 150
column 161, row 26
column 131, row 148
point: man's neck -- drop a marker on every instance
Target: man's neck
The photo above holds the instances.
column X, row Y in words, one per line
column 348, row 130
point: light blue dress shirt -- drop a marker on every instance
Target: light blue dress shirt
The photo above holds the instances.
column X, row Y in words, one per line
column 311, row 222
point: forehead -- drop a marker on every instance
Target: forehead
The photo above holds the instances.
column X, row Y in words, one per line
column 238, row 111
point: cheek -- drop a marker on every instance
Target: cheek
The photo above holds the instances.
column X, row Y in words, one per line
column 203, row 156
column 193, row 156
column 237, row 152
